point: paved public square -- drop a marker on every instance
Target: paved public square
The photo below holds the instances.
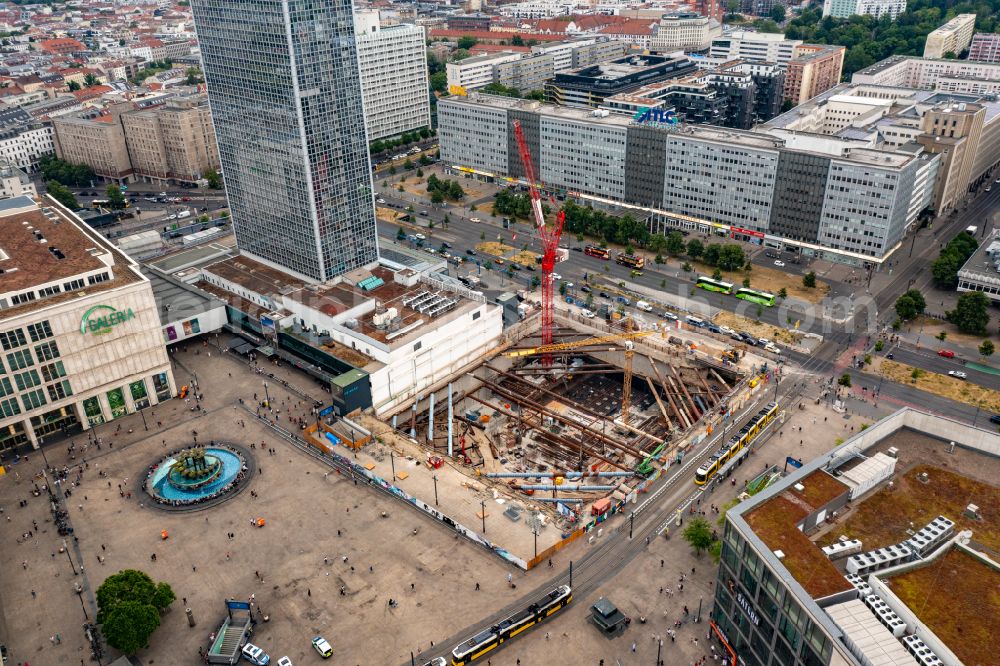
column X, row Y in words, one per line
column 299, row 554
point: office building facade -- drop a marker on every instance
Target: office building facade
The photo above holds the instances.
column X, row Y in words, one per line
column 589, row 86
column 754, row 46
column 285, row 90
column 172, row 143
column 748, row 184
column 393, row 64
column 80, row 336
column 876, row 8
column 944, row 74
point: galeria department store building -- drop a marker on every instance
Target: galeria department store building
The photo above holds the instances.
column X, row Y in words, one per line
column 80, row 336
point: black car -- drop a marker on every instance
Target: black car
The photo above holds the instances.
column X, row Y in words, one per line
column 578, row 249
column 446, row 244
column 515, row 267
column 995, row 419
column 471, row 252
column 585, row 289
column 890, row 356
column 604, row 294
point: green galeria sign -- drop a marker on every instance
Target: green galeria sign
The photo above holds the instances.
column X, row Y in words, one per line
column 101, row 319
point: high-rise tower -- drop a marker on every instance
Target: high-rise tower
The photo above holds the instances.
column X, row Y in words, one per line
column 285, row 93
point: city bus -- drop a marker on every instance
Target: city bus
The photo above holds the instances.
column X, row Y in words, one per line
column 709, row 284
column 595, row 251
column 754, row 296
column 630, row 260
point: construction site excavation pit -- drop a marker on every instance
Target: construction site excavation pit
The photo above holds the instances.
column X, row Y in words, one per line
column 528, row 445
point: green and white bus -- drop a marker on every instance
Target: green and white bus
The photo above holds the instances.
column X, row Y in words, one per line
column 754, row 296
column 709, row 284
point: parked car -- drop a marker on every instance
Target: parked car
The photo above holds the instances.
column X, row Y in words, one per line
column 322, row 646
column 587, row 313
column 585, row 289
column 957, row 374
column 995, row 419
column 779, row 263
column 284, row 661
column 255, row 655
column 946, row 353
column 773, row 348
column 726, row 330
column 420, row 236
column 604, row 294
column 669, row 316
column 380, row 200
column 714, row 329
column 475, row 219
column 499, row 262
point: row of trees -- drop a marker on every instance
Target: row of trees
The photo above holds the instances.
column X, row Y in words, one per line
column 624, row 230
column 152, row 68
column 381, row 145
column 509, row 91
column 444, row 189
column 74, row 175
column 945, row 268
column 869, row 39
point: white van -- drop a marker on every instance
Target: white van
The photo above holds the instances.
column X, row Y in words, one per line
column 184, row 213
column 695, row 321
column 644, row 306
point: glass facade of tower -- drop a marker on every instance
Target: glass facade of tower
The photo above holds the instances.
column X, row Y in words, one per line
column 285, row 91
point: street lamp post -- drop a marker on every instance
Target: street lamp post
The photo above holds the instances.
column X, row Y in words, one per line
column 435, row 477
column 482, row 506
column 267, row 396
column 69, row 557
column 392, row 463
column 144, row 426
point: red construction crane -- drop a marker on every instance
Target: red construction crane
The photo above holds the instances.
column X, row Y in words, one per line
column 548, row 235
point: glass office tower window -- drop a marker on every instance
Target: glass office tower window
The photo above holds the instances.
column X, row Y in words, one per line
column 285, row 92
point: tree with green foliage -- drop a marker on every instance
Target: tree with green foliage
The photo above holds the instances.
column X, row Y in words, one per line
column 698, row 534
column 500, row 89
column 986, row 349
column 716, row 274
column 193, row 76
column 782, row 293
column 675, row 243
column 439, row 82
column 971, row 313
column 73, row 85
column 562, row 288
column 945, row 268
column 695, row 248
column 213, row 177
column 516, row 40
column 61, row 193
column 746, row 282
column 777, row 13
column 401, row 234
column 116, row 198
column 809, row 280
column 910, row 305
column 466, row 42
column 845, row 380
column 536, row 282
column 90, row 80
column 129, row 604
column 408, row 164
column 731, row 257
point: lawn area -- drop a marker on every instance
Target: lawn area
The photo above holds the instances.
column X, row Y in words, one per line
column 943, row 385
column 931, row 327
column 525, row 258
column 958, row 598
column 884, row 518
column 494, row 248
column 772, row 280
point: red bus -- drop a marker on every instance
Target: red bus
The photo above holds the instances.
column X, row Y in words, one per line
column 631, row 260
column 595, row 251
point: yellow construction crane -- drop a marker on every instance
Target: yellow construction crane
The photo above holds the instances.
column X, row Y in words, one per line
column 628, row 336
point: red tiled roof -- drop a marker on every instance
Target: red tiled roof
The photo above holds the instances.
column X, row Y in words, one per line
column 629, row 27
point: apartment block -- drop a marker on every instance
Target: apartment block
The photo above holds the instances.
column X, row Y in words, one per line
column 953, row 37
column 175, row 142
column 813, row 69
column 831, row 196
column 14, row 182
column 393, row 65
column 985, row 47
column 96, row 140
column 960, row 76
column 25, row 145
column 876, row 8
column 477, row 71
column 684, row 32
column 581, row 52
column 526, row 74
column 754, row 46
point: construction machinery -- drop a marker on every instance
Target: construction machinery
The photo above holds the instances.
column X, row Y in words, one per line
column 627, row 339
column 548, row 235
